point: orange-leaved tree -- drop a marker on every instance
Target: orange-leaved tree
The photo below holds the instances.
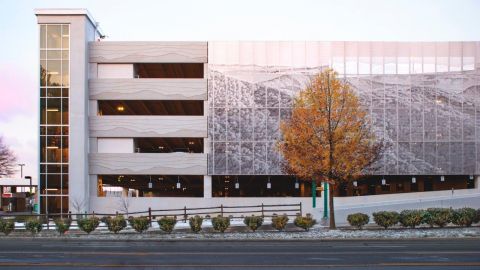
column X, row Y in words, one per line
column 328, row 136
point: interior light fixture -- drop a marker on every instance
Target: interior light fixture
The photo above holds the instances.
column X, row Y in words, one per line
column 471, row 177
column 52, row 110
column 178, row 183
column 132, row 180
column 150, row 185
column 384, row 182
column 191, row 143
column 237, row 185
column 269, row 185
column 355, row 183
column 52, row 73
column 297, row 185
column 414, row 180
column 52, row 147
column 120, row 108
column 442, row 178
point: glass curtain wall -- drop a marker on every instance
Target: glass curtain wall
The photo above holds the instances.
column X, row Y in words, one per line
column 54, row 92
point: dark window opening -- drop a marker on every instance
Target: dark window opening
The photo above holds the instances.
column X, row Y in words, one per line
column 169, row 70
column 150, row 186
column 150, row 107
column 260, row 186
column 168, row 145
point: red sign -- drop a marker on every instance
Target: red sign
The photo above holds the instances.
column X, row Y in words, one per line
column 7, row 195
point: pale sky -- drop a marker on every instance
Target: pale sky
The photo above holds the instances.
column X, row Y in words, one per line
column 373, row 20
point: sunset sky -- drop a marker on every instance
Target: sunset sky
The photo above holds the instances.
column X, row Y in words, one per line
column 392, row 20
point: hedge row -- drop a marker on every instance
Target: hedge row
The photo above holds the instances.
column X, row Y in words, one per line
column 117, row 223
column 440, row 217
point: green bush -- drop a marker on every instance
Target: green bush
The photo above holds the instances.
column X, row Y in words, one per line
column 386, row 218
column 167, row 224
column 220, row 223
column 358, row 220
column 477, row 216
column 195, row 223
column 7, row 225
column 88, row 225
column 33, row 225
column 464, row 216
column 62, row 224
column 116, row 224
column 279, row 222
column 439, row 216
column 253, row 222
column 139, row 224
column 305, row 222
column 411, row 218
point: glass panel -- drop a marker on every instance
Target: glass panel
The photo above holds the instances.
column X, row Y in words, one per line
column 43, row 92
column 65, row 37
column 53, row 73
column 55, row 130
column 65, row 130
column 43, row 54
column 54, row 168
column 43, row 130
column 53, row 92
column 338, row 65
column 416, row 65
column 43, row 168
column 53, row 149
column 390, row 65
column 53, row 111
column 377, row 65
column 43, row 157
column 43, row 183
column 64, row 149
column 54, row 182
column 65, row 184
column 43, row 105
column 43, row 35
column 54, row 204
column 455, row 63
column 53, row 36
column 64, row 111
column 54, row 54
column 442, row 64
column 65, row 54
column 364, row 65
column 65, row 69
column 351, row 65
column 403, row 65
column 64, row 92
column 429, row 64
column 43, row 73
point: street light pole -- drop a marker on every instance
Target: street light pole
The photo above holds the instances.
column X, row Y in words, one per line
column 21, row 169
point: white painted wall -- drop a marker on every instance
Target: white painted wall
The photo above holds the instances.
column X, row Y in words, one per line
column 114, row 71
column 115, row 145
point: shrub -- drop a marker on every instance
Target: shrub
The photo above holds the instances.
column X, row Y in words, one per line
column 279, row 222
column 386, row 218
column 358, row 220
column 439, row 216
column 411, row 218
column 33, row 225
column 220, row 223
column 253, row 222
column 116, row 224
column 464, row 216
column 88, row 225
column 139, row 224
column 62, row 224
column 167, row 223
column 305, row 222
column 195, row 223
column 477, row 216
column 7, row 225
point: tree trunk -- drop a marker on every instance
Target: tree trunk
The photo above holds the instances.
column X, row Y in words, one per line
column 331, row 208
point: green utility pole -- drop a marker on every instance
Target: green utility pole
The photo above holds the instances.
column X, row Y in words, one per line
column 325, row 200
column 314, row 194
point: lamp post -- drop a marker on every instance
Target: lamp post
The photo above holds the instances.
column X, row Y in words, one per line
column 21, row 169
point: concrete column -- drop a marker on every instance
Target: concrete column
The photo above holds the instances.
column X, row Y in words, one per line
column 477, row 182
column 207, row 186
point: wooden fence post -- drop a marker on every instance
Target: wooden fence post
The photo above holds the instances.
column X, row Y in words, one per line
column 185, row 214
column 263, row 214
column 48, row 221
column 150, row 216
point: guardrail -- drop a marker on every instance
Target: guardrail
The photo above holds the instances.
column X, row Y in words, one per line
column 263, row 210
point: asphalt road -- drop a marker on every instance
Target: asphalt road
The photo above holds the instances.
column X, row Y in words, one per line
column 345, row 254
